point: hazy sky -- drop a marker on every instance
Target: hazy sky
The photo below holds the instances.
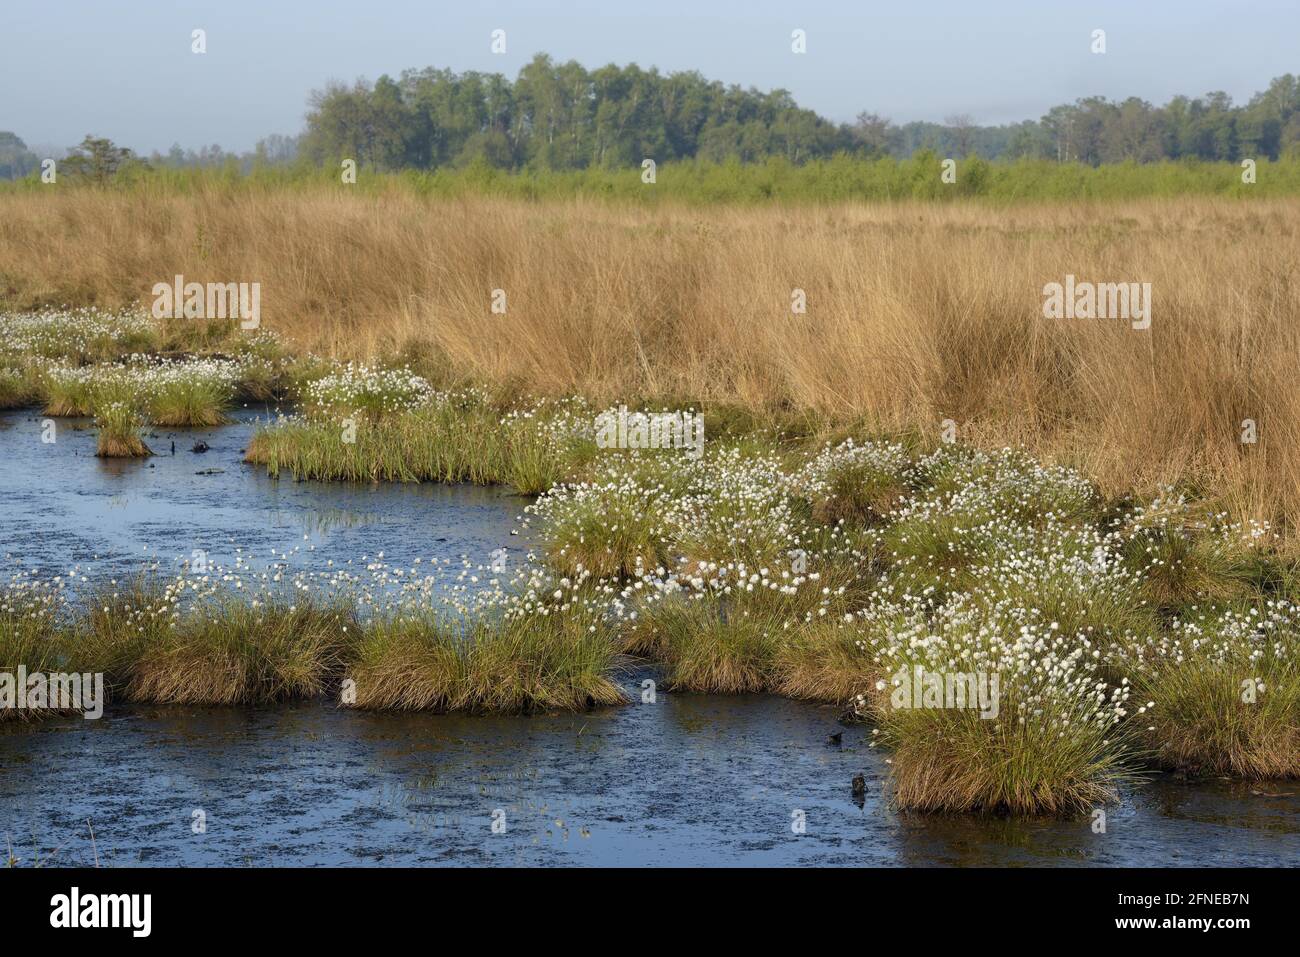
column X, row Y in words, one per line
column 124, row 68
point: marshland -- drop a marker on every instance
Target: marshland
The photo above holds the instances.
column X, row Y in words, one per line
column 612, row 466
column 223, row 523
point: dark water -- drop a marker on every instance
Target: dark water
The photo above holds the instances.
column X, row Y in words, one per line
column 688, row 779
column 64, row 507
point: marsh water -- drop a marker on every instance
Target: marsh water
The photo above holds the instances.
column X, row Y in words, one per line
column 686, row 780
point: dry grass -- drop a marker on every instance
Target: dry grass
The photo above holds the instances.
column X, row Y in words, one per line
column 916, row 313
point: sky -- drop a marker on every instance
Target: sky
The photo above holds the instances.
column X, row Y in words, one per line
column 125, row 68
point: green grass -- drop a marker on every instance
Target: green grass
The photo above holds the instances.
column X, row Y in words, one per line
column 459, row 438
column 695, row 182
column 32, row 636
column 419, row 447
column 119, row 432
column 17, row 389
column 1226, row 696
column 194, row 400
column 486, row 665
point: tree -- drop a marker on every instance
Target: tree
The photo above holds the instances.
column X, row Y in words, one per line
column 562, row 116
column 961, row 125
column 15, row 159
column 1132, row 133
column 875, row 132
column 98, row 160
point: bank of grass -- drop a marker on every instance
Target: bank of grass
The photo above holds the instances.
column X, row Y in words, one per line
column 235, row 654
column 1054, row 608
column 154, row 645
column 450, row 439
column 520, row 666
column 186, row 640
column 17, row 388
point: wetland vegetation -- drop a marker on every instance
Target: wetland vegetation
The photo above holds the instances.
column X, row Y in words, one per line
column 803, row 558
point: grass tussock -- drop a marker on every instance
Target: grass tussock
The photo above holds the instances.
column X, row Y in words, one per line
column 194, row 401
column 516, row 666
column 237, row 654
column 119, row 432
column 826, row 662
column 705, row 649
column 1185, row 555
column 954, row 762
column 986, row 711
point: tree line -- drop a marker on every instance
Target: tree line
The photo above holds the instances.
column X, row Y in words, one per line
column 564, row 117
